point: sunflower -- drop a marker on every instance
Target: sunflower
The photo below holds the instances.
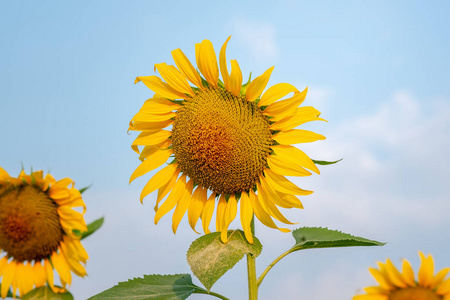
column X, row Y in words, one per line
column 224, row 140
column 396, row 285
column 37, row 226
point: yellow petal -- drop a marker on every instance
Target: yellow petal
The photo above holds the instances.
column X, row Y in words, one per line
column 158, row 180
column 272, row 195
column 382, row 280
column 196, row 206
column 158, row 86
column 281, row 184
column 297, row 136
column 220, row 218
column 408, row 273
column 149, row 150
column 266, row 201
column 3, row 174
column 229, row 216
column 207, row 212
column 301, row 116
column 257, row 86
column 246, row 216
column 165, row 189
column 439, row 278
column 370, row 297
column 426, row 271
column 146, row 117
column 207, row 62
column 261, row 214
column 223, row 64
column 287, row 107
column 149, row 126
column 152, row 162
column 174, row 78
column 9, row 273
column 186, row 68
column 235, row 82
column 295, row 156
column 177, row 192
column 61, row 267
column 444, row 288
column 182, row 205
column 281, row 166
column 276, row 92
column 148, row 139
column 159, row 106
column 394, row 275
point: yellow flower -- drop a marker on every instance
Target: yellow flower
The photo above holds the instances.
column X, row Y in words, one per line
column 226, row 140
column 36, row 232
column 396, row 285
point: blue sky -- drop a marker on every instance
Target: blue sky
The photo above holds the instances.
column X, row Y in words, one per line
column 377, row 70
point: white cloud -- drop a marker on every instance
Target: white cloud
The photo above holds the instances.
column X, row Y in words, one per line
column 257, row 37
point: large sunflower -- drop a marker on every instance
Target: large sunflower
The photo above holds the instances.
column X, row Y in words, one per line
column 224, row 139
column 396, row 285
column 36, row 232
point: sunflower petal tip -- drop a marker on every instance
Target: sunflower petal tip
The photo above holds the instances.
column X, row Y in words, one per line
column 137, row 80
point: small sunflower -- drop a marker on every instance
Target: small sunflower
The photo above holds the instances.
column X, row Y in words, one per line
column 396, row 285
column 36, row 232
column 224, row 140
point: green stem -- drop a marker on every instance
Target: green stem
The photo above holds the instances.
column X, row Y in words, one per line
column 260, row 279
column 212, row 294
column 251, row 270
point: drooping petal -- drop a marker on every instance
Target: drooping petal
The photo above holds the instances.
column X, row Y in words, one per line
column 283, row 185
column 246, row 216
column 220, row 218
column 261, row 214
column 186, row 68
column 178, row 191
column 269, row 206
column 207, row 62
column 174, row 78
column 165, row 189
column 158, row 180
column 195, row 209
column 182, row 205
column 152, row 162
column 276, row 92
column 229, row 216
column 61, row 267
column 257, row 86
column 158, row 86
column 207, row 212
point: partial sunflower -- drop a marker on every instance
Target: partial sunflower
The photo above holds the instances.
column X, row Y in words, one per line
column 224, row 140
column 396, row 285
column 36, row 232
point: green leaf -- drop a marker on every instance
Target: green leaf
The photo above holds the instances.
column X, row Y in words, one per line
column 84, row 189
column 324, row 163
column 92, row 227
column 46, row 293
column 318, row 237
column 210, row 258
column 163, row 287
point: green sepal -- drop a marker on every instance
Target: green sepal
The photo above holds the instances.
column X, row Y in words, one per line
column 324, row 163
column 85, row 188
column 46, row 293
column 209, row 258
column 161, row 287
column 91, row 228
column 318, row 237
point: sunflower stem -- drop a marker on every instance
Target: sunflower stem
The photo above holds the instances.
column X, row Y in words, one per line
column 260, row 279
column 251, row 271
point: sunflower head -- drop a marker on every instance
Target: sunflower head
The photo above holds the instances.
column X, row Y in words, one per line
column 403, row 285
column 224, row 141
column 36, row 231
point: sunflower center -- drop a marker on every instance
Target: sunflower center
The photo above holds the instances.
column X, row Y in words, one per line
column 414, row 293
column 221, row 141
column 29, row 223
